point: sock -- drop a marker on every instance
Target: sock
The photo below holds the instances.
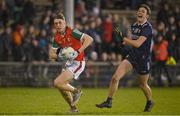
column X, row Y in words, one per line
column 109, row 100
column 76, row 90
column 149, row 101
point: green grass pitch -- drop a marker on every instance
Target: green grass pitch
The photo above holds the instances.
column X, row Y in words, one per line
column 126, row 101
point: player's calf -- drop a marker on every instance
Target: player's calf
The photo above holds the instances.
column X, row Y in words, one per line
column 76, row 96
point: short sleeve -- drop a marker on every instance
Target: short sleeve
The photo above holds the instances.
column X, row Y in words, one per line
column 77, row 34
column 147, row 31
column 54, row 44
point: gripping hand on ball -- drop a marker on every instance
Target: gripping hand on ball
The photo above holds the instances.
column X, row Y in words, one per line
column 61, row 56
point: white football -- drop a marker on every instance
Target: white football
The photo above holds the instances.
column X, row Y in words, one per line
column 67, row 52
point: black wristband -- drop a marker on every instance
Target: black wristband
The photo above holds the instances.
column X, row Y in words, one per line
column 58, row 50
column 78, row 52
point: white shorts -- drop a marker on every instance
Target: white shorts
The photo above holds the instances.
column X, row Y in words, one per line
column 76, row 67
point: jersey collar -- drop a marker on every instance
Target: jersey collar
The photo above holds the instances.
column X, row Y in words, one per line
column 142, row 23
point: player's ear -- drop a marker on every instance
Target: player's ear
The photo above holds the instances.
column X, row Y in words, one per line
column 147, row 16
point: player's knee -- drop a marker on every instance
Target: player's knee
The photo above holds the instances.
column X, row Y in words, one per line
column 143, row 85
column 58, row 83
column 55, row 83
column 115, row 78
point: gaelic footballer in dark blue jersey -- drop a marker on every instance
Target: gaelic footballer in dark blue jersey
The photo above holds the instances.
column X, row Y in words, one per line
column 138, row 57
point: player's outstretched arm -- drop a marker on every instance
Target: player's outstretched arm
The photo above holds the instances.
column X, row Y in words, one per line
column 136, row 43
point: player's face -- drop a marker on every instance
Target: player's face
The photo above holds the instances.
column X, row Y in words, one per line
column 142, row 15
column 60, row 25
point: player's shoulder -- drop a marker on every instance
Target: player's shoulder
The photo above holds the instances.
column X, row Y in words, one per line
column 147, row 24
column 77, row 33
column 134, row 24
column 73, row 31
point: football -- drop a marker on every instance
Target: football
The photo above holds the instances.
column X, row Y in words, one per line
column 67, row 52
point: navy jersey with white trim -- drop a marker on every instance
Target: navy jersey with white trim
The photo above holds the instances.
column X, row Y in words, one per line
column 137, row 30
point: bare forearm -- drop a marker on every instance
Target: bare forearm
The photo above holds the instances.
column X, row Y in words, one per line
column 136, row 43
column 87, row 41
column 131, row 42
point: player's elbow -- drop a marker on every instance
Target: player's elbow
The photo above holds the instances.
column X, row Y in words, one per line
column 91, row 40
column 140, row 41
column 88, row 38
column 52, row 54
column 52, row 57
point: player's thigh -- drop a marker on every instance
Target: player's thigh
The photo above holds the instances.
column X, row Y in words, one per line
column 143, row 79
column 65, row 77
column 124, row 67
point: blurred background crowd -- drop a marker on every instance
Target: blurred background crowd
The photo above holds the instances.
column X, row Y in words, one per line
column 26, row 29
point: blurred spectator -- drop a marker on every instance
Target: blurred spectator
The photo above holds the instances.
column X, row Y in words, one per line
column 177, row 13
column 27, row 43
column 107, row 4
column 44, row 45
column 4, row 14
column 113, row 57
column 178, row 31
column 171, row 27
column 6, row 44
column 36, row 57
column 80, row 8
column 18, row 15
column 99, row 30
column 161, row 28
column 163, row 13
column 173, row 47
column 78, row 25
column 1, row 45
column 29, row 11
column 104, row 57
column 93, row 33
column 161, row 55
column 17, row 42
column 135, row 3
column 94, row 56
column 46, row 20
column 107, row 33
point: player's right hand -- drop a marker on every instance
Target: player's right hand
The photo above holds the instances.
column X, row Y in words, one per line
column 60, row 55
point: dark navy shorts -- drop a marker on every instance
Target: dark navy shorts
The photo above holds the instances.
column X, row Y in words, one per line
column 141, row 66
